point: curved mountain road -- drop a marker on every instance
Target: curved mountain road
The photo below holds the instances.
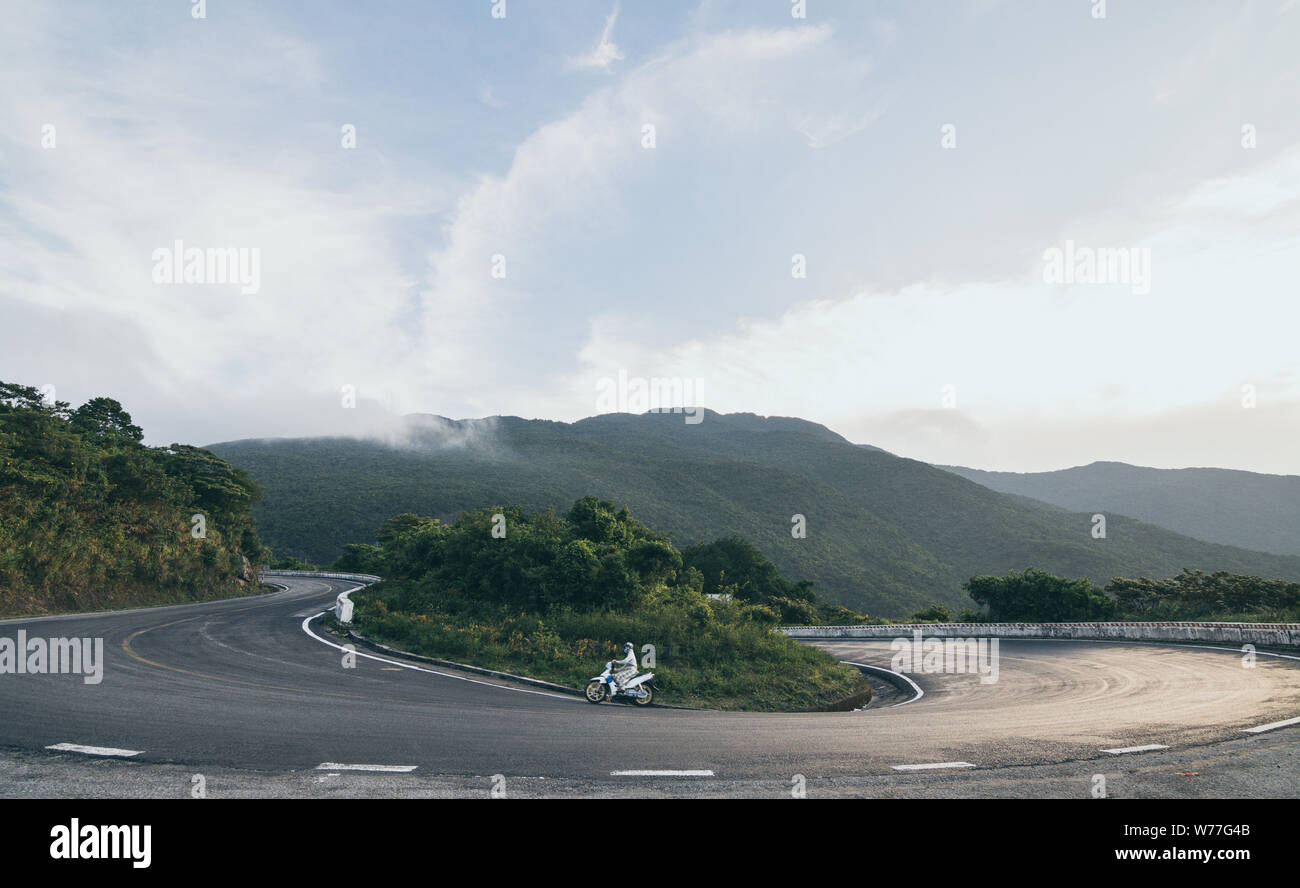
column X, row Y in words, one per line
column 239, row 684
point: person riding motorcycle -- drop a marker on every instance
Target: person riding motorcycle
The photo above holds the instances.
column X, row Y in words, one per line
column 626, row 667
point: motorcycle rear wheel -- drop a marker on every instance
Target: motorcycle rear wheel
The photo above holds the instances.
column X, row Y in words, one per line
column 596, row 691
column 649, row 695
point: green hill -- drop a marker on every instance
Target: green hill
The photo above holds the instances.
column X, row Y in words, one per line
column 91, row 518
column 1246, row 509
column 885, row 535
column 554, row 594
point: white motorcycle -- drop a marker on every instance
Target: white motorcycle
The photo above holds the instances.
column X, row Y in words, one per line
column 638, row 689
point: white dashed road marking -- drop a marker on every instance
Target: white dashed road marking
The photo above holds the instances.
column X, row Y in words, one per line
column 386, row 769
column 94, row 750
column 1150, row 747
column 933, row 766
column 1259, row 729
column 661, row 773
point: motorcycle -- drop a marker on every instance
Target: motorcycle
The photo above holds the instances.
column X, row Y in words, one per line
column 639, row 689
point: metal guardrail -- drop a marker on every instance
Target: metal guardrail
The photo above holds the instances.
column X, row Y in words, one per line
column 360, row 578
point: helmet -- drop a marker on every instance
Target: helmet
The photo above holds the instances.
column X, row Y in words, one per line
column 627, row 648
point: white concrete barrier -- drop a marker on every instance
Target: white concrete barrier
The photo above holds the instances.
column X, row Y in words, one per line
column 1236, row 634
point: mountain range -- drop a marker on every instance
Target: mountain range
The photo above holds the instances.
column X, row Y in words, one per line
column 1246, row 509
column 884, row 534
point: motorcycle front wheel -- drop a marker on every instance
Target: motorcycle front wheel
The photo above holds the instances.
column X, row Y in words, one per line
column 649, row 695
column 595, row 691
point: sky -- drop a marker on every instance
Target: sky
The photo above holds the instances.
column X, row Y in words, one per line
column 861, row 216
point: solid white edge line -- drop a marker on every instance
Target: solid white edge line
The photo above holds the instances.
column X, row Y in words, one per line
column 919, row 693
column 932, row 766
column 387, row 769
column 1150, row 747
column 1259, row 729
column 307, row 629
column 94, row 750
column 661, row 773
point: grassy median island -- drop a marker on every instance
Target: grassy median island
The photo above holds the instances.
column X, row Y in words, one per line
column 555, row 597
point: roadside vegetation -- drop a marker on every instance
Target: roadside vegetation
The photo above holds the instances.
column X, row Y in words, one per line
column 1035, row 595
column 91, row 518
column 555, row 597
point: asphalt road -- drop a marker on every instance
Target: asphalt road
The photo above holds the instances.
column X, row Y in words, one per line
column 237, row 687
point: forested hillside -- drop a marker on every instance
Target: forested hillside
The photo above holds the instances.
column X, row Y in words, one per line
column 1246, row 509
column 91, row 518
column 885, row 535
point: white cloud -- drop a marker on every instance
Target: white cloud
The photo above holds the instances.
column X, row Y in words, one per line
column 1044, row 376
column 566, row 184
column 1274, row 187
column 671, row 261
column 143, row 161
column 605, row 53
column 338, row 303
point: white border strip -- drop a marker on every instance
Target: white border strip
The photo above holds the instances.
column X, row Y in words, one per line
column 94, row 750
column 933, row 766
column 386, row 769
column 1259, row 729
column 1150, row 747
column 661, row 773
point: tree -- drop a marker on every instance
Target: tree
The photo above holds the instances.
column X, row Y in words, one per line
column 594, row 520
column 732, row 561
column 360, row 558
column 573, row 575
column 401, row 525
column 839, row 615
column 655, row 560
column 935, row 613
column 1143, row 597
column 795, row 611
column 1194, row 594
column 104, row 421
column 1036, row 595
column 220, row 488
column 15, row 397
